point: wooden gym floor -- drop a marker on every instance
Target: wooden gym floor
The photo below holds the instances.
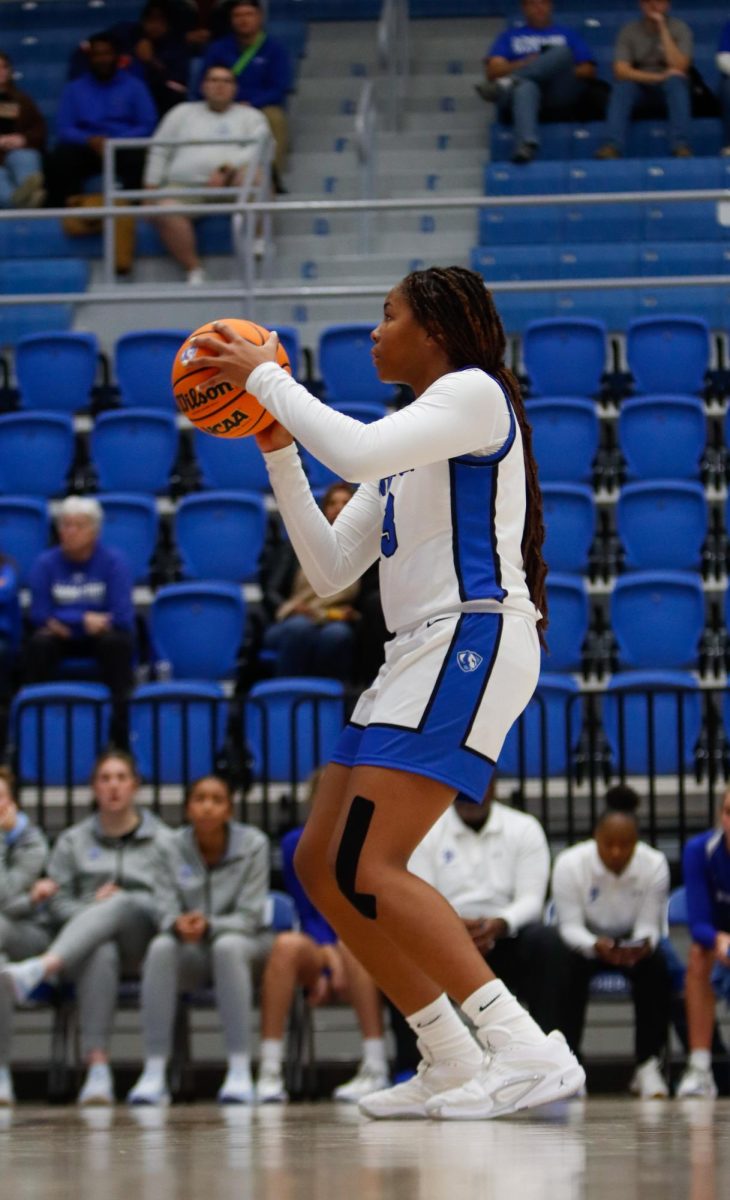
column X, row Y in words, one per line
column 599, row 1149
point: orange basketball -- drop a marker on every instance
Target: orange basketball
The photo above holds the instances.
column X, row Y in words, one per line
column 221, row 409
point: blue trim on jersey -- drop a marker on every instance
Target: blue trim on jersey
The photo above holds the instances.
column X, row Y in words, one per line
column 489, row 460
column 474, row 534
column 437, row 747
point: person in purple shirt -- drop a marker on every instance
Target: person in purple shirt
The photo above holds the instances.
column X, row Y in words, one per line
column 81, row 605
column 706, row 868
column 104, row 102
column 722, row 59
column 263, row 69
column 536, row 70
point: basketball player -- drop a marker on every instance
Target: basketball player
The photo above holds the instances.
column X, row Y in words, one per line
column 450, row 503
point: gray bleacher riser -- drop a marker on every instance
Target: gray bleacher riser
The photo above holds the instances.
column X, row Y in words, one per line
column 418, row 245
column 427, row 141
column 333, row 224
column 391, row 184
column 440, row 121
column 389, row 158
column 331, row 91
column 370, row 268
column 463, row 102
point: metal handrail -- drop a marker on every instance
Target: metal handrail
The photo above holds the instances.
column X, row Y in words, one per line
column 394, row 56
column 365, row 129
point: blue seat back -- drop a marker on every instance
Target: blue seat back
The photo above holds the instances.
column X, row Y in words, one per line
column 58, row 730
column 542, row 742
column 280, row 913
column 570, row 526
column 143, row 362
column 568, row 615
column 662, row 437
column 565, row 436
column 292, row 725
column 565, row 357
column 24, row 531
column 662, row 524
column 346, row 366
column 134, row 450
column 668, row 354
column 177, row 730
column 677, row 907
column 289, row 339
column 197, row 628
column 131, row 525
column 36, row 453
column 652, row 720
column 658, row 618
column 230, row 463
column 56, row 370
column 220, row 535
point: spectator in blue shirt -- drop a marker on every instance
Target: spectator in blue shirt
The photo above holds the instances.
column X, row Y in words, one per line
column 81, row 605
column 263, row 69
column 706, row 865
column 723, row 66
column 104, row 102
column 535, row 71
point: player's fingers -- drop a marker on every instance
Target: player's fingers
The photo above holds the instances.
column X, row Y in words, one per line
column 225, row 331
column 214, row 363
column 272, row 341
column 205, row 342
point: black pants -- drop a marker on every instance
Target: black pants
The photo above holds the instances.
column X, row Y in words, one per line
column 113, row 652
column 70, row 164
column 535, row 964
column 651, row 992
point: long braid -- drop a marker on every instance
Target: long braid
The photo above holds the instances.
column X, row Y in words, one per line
column 454, row 307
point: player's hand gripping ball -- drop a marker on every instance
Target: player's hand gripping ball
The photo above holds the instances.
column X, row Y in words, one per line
column 222, row 409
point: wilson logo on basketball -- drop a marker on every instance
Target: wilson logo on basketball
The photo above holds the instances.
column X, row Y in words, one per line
column 196, row 397
column 469, row 660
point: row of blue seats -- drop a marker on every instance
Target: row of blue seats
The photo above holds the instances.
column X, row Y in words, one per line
column 542, row 177
column 647, row 139
column 631, row 221
column 616, row 306
column 44, row 238
column 601, row 260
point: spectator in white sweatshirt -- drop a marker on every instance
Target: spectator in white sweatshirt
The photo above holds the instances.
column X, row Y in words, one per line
column 231, row 139
column 610, row 896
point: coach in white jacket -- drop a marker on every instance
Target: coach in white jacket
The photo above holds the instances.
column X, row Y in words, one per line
column 610, row 896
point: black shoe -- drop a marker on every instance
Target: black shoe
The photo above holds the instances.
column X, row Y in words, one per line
column 524, row 153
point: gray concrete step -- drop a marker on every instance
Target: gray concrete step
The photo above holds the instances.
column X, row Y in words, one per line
column 310, row 140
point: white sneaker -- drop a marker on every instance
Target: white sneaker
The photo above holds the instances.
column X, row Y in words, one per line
column 408, row 1099
column 98, row 1086
column 516, row 1076
column 7, row 1095
column 648, row 1082
column 697, row 1082
column 237, row 1088
column 151, row 1089
column 197, row 277
column 270, row 1088
column 22, row 978
column 368, row 1079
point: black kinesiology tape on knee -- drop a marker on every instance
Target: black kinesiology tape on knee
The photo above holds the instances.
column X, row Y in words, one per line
column 348, row 855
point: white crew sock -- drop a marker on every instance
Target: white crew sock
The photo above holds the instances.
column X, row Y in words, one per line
column 441, row 1029
column 271, row 1055
column 373, row 1054
column 240, row 1066
column 154, row 1069
column 494, row 1009
column 700, row 1059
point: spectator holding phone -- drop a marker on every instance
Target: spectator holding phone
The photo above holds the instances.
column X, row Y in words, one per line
column 610, row 895
column 706, row 866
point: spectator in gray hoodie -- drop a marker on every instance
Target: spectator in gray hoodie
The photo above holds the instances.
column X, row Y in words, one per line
column 211, row 890
column 23, row 894
column 104, row 867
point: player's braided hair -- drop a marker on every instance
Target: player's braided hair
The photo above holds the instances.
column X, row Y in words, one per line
column 454, row 307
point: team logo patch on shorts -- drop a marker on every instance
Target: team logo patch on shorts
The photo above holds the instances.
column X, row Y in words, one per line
column 469, row 660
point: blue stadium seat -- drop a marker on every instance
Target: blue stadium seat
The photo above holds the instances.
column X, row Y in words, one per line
column 570, row 526
column 177, row 729
column 675, row 174
column 231, row 463
column 501, row 263
column 615, row 306
column 18, row 322
column 289, row 338
column 658, row 618
column 518, row 311
column 292, row 725
column 683, row 258
column 568, row 622
column 652, row 721
column 346, row 366
column 220, row 535
column 565, row 434
column 539, row 178
column 662, row 524
column 131, row 524
column 682, row 220
column 594, row 175
column 541, row 224
column 662, row 437
column 142, row 364
column 677, row 907
column 565, row 357
column 36, row 453
column 668, row 353
column 58, row 729
column 708, row 302
column 548, row 731
column 616, row 222
column 68, row 359
column 37, row 275
column 597, row 260
column 197, row 628
column 134, row 450
column 24, row 531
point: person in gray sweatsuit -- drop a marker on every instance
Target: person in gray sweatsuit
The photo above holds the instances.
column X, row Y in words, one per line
column 103, row 910
column 23, row 897
column 211, row 891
